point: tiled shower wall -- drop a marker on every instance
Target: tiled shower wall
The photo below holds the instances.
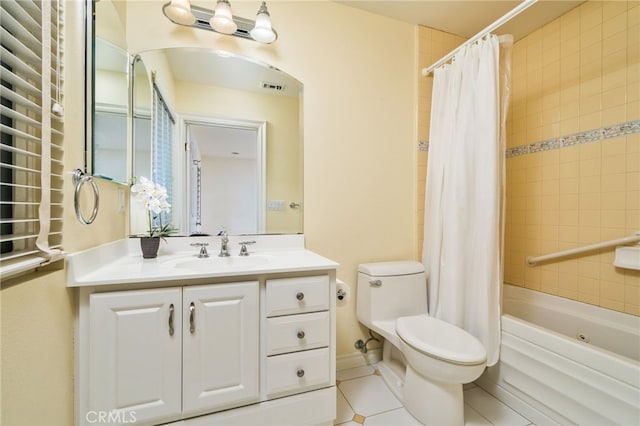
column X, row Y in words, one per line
column 577, row 74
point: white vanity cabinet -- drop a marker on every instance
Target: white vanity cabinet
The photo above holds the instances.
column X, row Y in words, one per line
column 184, row 341
column 162, row 354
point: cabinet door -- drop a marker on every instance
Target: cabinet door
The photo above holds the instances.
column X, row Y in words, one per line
column 220, row 346
column 135, row 354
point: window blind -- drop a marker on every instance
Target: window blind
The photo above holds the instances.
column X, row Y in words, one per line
column 31, row 168
column 162, row 149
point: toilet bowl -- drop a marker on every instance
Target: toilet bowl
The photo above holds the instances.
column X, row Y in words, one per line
column 438, row 357
column 439, row 350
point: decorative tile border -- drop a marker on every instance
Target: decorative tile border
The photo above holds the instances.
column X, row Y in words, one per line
column 602, row 133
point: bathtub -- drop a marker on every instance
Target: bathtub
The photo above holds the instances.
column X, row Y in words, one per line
column 566, row 362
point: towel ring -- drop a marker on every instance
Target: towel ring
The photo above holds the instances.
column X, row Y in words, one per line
column 79, row 179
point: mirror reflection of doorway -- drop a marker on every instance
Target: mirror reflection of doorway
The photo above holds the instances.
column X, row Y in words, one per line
column 226, row 177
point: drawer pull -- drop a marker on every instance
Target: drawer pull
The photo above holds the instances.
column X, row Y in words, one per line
column 300, row 295
column 300, row 373
column 300, row 334
column 171, row 309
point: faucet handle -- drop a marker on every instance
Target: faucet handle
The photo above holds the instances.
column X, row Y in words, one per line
column 243, row 249
column 203, row 249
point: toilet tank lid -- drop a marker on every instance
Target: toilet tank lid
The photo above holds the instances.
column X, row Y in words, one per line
column 390, row 269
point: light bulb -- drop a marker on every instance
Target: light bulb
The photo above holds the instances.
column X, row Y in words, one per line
column 222, row 20
column 179, row 11
column 262, row 30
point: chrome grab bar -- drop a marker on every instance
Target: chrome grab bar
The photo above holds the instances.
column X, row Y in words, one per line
column 619, row 241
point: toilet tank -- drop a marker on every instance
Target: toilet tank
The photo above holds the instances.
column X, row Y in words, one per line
column 402, row 291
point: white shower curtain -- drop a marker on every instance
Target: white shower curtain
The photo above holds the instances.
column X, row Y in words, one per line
column 464, row 203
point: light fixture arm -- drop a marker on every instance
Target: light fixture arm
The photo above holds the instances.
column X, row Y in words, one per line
column 263, row 9
column 203, row 16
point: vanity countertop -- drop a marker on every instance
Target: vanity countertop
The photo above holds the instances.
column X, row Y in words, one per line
column 121, row 262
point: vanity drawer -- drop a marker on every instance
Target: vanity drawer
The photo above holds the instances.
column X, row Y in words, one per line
column 287, row 296
column 298, row 371
column 297, row 332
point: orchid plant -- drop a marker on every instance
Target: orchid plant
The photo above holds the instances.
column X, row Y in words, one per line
column 154, row 198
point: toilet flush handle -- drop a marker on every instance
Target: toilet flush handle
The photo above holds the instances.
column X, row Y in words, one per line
column 375, row 283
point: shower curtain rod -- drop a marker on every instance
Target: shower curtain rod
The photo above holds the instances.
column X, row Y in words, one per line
column 635, row 238
column 504, row 19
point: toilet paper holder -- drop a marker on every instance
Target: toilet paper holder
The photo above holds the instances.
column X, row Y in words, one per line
column 341, row 294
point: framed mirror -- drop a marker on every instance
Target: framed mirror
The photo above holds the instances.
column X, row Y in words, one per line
column 109, row 92
column 235, row 129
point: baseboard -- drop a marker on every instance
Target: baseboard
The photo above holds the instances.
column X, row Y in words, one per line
column 309, row 408
column 358, row 359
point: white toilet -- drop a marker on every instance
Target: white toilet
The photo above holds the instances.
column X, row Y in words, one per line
column 425, row 360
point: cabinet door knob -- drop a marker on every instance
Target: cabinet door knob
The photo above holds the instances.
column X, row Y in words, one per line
column 300, row 372
column 192, row 318
column 300, row 334
column 300, row 295
column 171, row 310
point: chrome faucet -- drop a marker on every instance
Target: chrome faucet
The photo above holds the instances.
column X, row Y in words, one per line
column 224, row 249
column 243, row 249
column 203, row 250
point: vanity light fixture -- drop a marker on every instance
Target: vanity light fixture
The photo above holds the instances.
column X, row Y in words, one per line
column 221, row 20
column 179, row 11
column 262, row 31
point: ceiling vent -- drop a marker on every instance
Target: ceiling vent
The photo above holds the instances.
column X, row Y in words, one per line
column 272, row 86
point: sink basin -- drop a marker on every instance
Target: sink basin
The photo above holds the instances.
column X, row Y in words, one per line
column 221, row 263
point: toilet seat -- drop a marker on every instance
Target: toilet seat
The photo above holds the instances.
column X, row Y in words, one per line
column 439, row 339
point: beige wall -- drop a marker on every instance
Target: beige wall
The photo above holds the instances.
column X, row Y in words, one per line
column 37, row 351
column 359, row 72
column 580, row 72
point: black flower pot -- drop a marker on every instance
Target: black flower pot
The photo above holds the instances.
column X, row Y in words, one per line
column 149, row 246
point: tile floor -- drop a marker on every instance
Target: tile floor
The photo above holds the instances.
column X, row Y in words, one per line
column 364, row 399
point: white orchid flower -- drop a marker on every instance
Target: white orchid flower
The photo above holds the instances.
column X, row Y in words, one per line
column 154, row 198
